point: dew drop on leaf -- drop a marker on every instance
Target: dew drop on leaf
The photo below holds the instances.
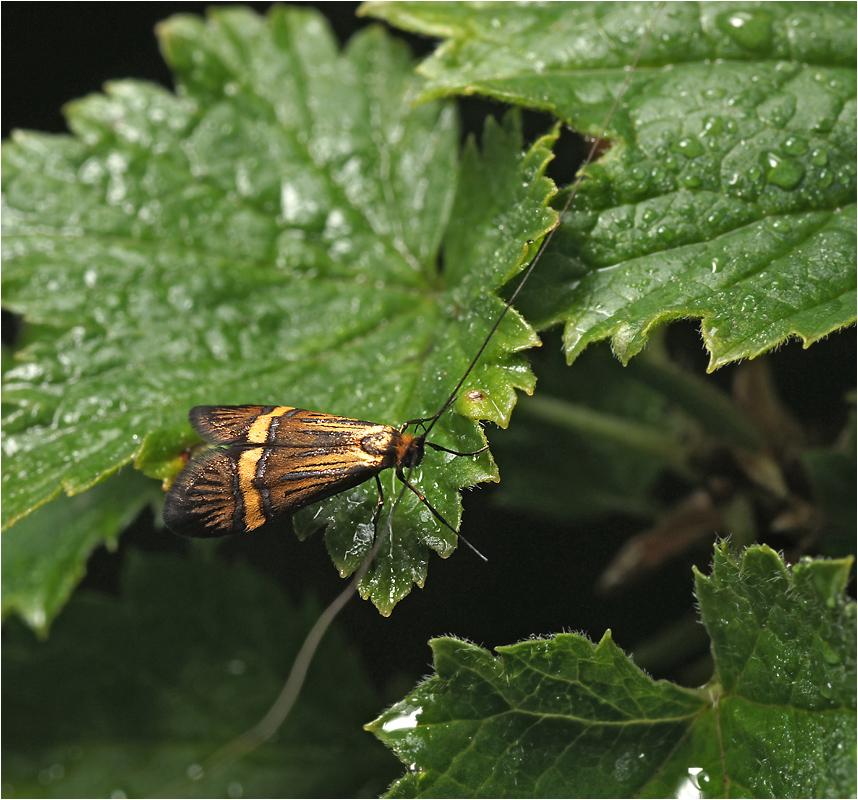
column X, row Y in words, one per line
column 689, row 146
column 751, row 30
column 794, row 145
column 788, row 174
column 818, row 156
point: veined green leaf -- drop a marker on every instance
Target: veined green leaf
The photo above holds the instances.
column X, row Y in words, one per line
column 563, row 717
column 728, row 193
column 44, row 556
column 270, row 234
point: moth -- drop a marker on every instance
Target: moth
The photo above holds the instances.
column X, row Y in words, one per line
column 271, row 461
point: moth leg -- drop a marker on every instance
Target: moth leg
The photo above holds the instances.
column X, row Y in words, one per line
column 380, row 505
column 422, row 499
column 455, row 452
column 414, row 422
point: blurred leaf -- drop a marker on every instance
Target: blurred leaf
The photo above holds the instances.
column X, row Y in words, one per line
column 832, row 476
column 693, row 519
column 270, row 234
column 589, row 443
column 563, row 717
column 45, row 555
column 134, row 696
column 729, row 190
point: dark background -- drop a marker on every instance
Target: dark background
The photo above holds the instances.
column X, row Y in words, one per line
column 540, row 576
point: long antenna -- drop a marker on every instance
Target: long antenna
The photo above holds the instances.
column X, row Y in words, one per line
column 545, row 242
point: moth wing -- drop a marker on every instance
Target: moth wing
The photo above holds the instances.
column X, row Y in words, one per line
column 231, row 424
column 306, row 459
column 201, row 500
column 277, row 426
column 288, row 482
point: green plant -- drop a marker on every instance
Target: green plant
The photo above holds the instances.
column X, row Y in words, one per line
column 278, row 226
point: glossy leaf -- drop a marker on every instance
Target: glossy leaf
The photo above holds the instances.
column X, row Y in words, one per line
column 562, row 717
column 134, row 696
column 45, row 555
column 270, row 234
column 729, row 190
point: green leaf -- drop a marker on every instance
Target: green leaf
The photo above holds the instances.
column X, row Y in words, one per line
column 784, row 645
column 44, row 556
column 153, row 685
column 562, row 717
column 728, row 193
column 270, row 234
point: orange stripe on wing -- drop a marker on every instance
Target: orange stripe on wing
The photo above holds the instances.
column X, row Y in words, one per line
column 257, row 433
column 254, row 513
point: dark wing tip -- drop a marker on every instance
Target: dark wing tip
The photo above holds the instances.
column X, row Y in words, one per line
column 200, row 502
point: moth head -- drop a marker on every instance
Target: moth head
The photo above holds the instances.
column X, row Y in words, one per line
column 413, row 453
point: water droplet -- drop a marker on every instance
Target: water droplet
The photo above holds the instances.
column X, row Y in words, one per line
column 711, row 126
column 666, row 233
column 788, row 174
column 846, row 174
column 638, row 173
column 824, row 124
column 404, row 721
column 818, row 156
column 777, row 110
column 752, row 30
column 794, row 145
column 689, row 146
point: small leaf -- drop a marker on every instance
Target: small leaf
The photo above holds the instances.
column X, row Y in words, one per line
column 155, row 684
column 271, row 234
column 562, row 717
column 729, row 190
column 45, row 556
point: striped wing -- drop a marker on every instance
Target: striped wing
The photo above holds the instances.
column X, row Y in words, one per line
column 272, row 460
